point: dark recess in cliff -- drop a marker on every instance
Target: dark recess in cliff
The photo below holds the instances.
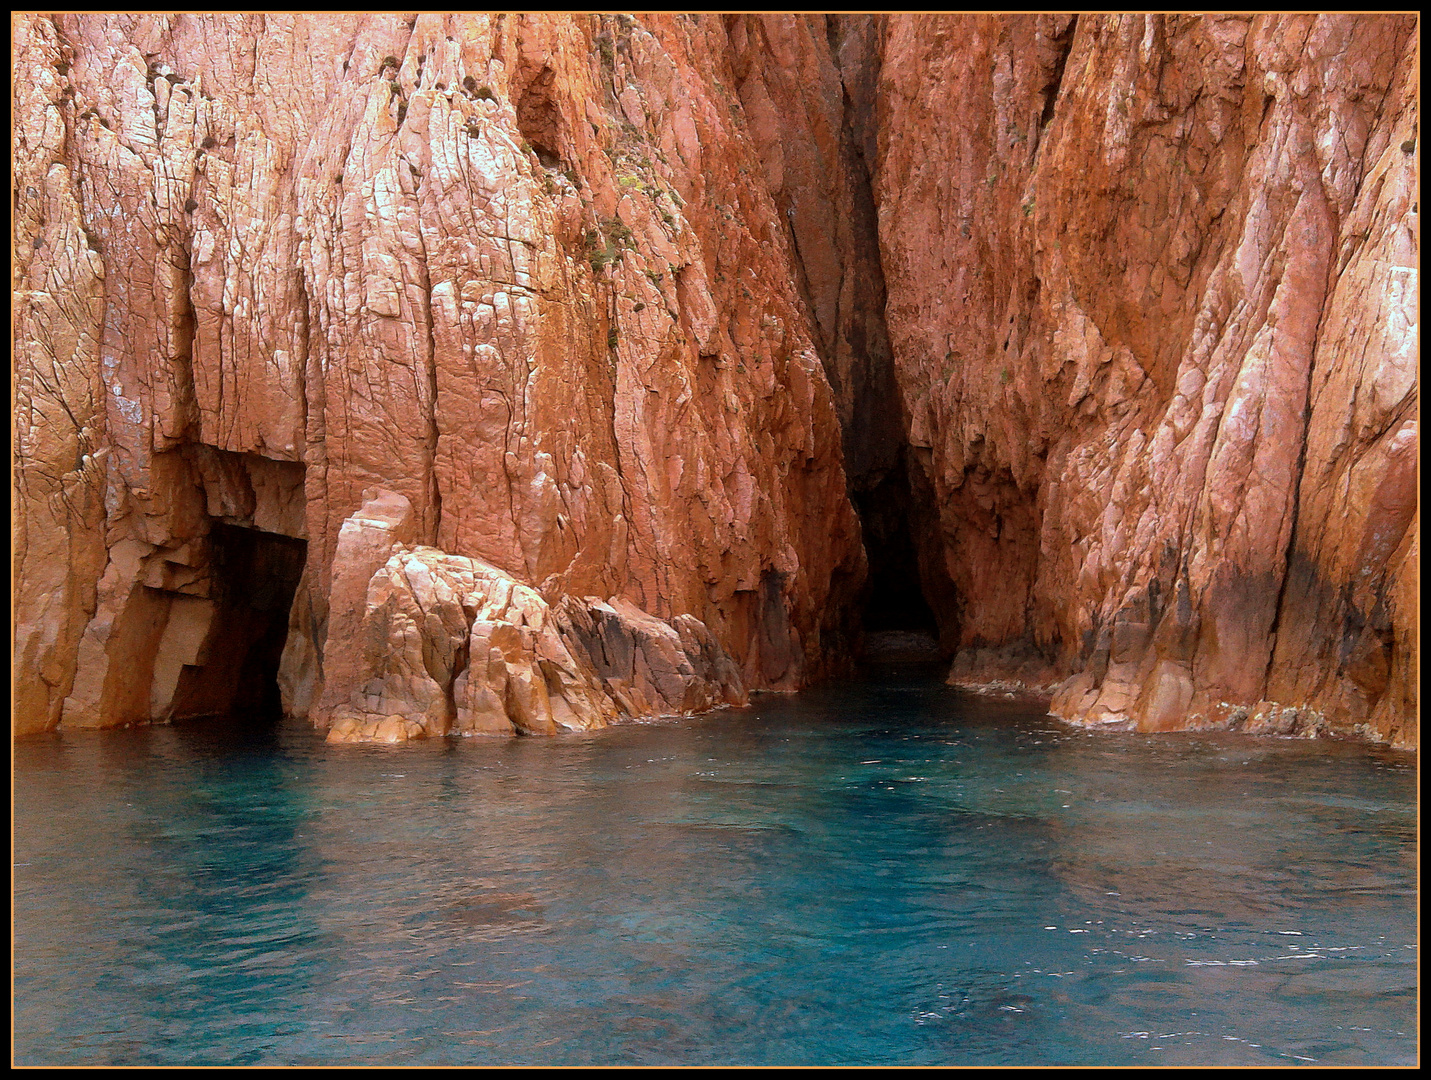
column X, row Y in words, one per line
column 894, row 595
column 255, row 575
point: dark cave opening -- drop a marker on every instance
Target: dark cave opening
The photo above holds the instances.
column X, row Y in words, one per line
column 254, row 577
column 904, row 595
column 894, row 596
column 539, row 118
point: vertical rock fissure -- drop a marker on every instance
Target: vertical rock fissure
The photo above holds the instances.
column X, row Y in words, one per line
column 899, row 615
column 1064, row 43
column 1292, row 534
column 820, row 169
column 430, row 423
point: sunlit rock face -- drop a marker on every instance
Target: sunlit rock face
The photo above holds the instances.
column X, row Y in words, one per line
column 535, row 365
column 1152, row 302
column 423, row 643
column 522, row 272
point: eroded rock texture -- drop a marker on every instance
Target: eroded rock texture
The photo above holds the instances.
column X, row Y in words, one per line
column 1152, row 301
column 424, row 643
column 523, row 272
column 515, row 373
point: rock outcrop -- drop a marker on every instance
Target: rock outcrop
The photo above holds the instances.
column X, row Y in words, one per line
column 423, row 643
column 516, row 373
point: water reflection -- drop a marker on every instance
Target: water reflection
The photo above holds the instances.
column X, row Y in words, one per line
column 885, row 872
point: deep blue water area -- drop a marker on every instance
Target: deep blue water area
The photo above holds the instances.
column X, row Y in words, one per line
column 887, row 872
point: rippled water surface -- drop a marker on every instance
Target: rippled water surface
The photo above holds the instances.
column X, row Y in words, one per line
column 881, row 872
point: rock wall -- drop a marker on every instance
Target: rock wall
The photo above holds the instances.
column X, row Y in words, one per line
column 523, row 271
column 558, row 350
column 1152, row 301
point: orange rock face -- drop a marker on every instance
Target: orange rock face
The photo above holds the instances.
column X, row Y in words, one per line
column 497, row 373
column 1152, row 297
column 521, row 271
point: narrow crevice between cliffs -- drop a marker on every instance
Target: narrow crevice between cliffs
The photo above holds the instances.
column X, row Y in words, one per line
column 901, row 618
column 906, row 610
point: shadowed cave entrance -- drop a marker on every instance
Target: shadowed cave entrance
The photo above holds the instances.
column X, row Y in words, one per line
column 897, row 613
column 254, row 577
column 907, row 607
column 204, row 630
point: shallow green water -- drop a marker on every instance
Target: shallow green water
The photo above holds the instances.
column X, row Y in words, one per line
column 881, row 872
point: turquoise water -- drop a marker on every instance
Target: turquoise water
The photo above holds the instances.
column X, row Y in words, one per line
column 880, row 872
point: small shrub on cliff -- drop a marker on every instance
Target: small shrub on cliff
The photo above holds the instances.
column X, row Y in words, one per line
column 606, row 50
column 599, row 252
column 617, row 230
column 484, row 93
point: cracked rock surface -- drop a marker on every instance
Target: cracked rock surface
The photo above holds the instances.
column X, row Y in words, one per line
column 1153, row 306
column 521, row 271
column 534, row 365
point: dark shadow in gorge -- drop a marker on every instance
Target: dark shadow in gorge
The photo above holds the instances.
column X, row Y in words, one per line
column 907, row 607
column 905, row 598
